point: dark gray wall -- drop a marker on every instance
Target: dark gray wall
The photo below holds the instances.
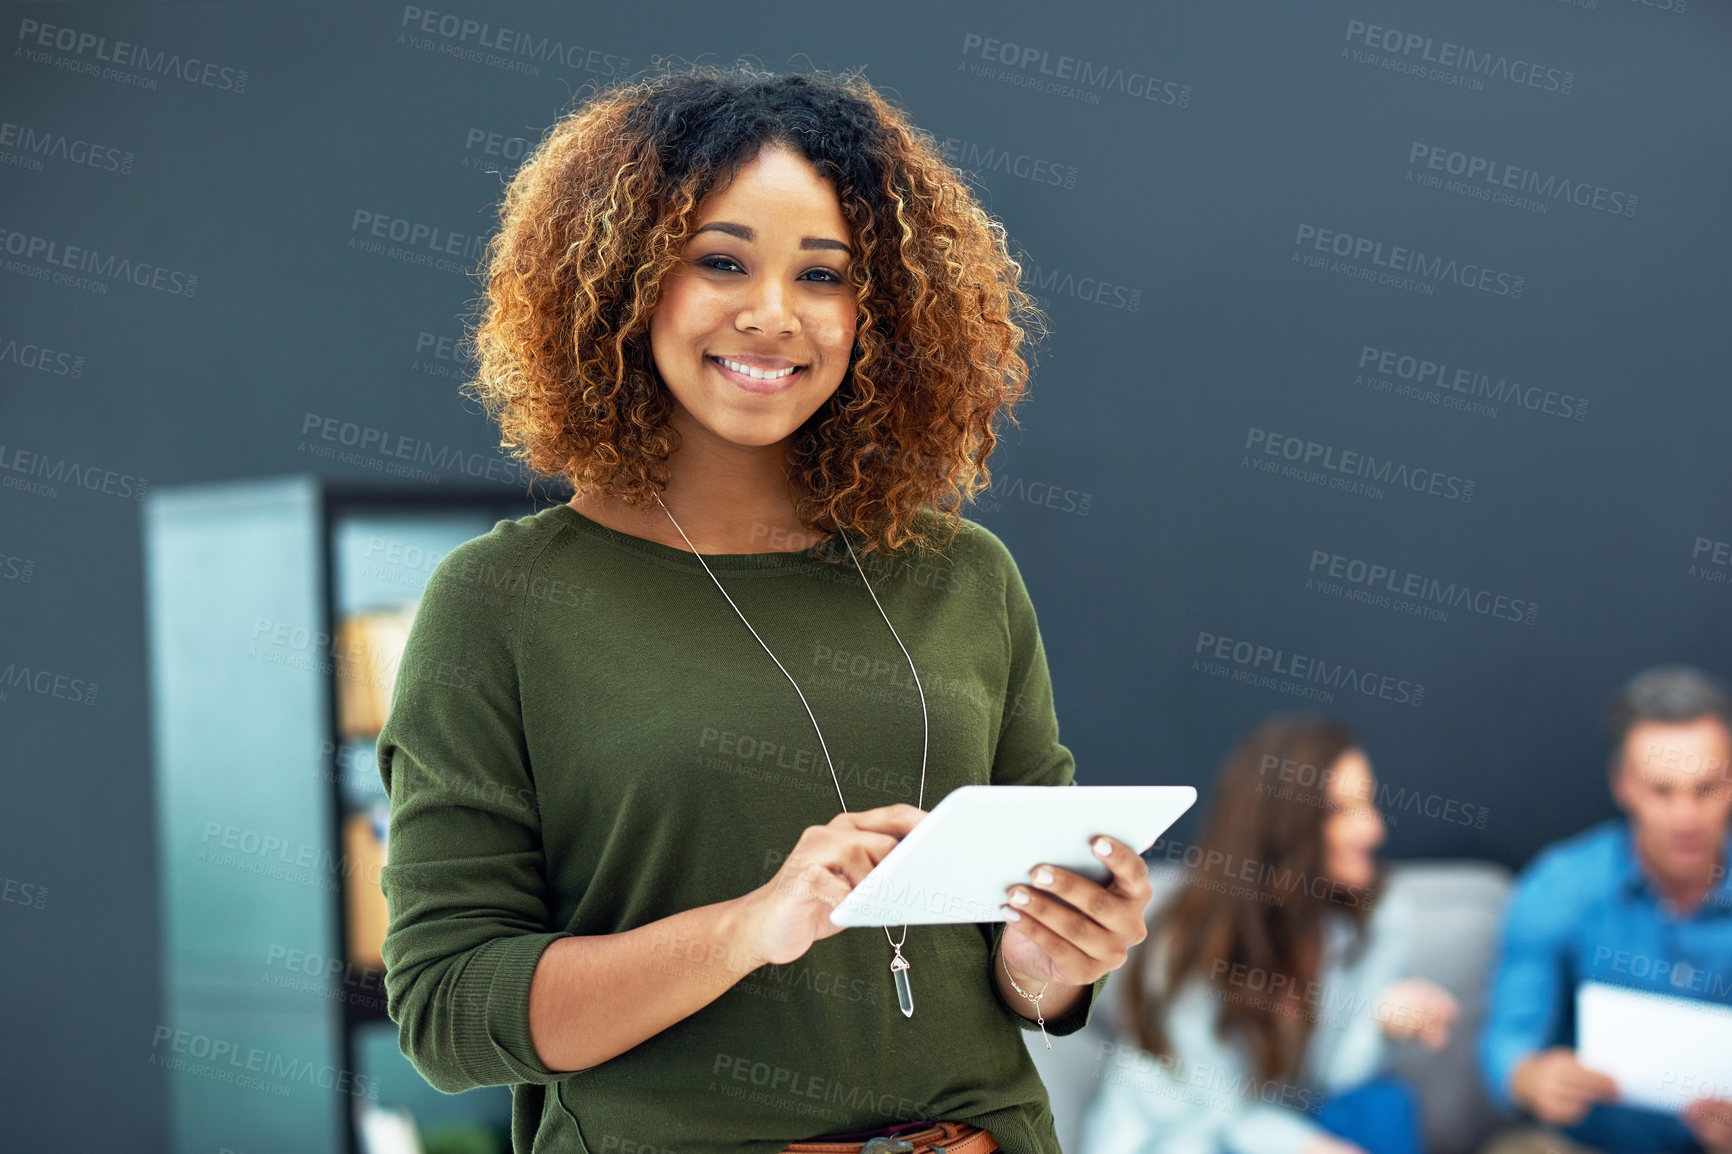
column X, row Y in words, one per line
column 1171, row 202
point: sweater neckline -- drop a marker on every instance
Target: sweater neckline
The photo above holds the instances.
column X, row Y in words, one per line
column 803, row 559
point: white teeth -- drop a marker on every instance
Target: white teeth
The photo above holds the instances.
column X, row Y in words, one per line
column 756, row 374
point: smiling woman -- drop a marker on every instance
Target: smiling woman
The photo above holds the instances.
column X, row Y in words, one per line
column 765, row 304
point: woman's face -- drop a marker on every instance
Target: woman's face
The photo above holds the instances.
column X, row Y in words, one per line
column 762, row 287
column 1354, row 828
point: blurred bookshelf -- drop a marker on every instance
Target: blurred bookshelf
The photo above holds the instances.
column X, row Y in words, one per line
column 277, row 611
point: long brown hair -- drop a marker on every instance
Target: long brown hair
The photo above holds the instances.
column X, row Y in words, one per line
column 1255, row 897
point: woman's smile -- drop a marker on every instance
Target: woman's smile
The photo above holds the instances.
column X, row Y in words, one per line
column 757, row 378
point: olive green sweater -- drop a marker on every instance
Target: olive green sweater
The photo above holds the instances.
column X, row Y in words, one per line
column 584, row 739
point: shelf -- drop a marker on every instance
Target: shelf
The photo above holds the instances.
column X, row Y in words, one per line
column 269, row 823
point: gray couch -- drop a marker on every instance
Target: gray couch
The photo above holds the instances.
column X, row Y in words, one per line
column 1460, row 904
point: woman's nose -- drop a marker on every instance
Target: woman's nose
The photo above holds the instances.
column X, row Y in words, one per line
column 769, row 308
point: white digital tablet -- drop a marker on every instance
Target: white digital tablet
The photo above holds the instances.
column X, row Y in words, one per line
column 956, row 865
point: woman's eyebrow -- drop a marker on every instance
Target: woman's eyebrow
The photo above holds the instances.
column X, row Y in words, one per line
column 748, row 235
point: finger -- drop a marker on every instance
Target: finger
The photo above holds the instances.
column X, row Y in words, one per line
column 867, row 850
column 1697, row 1118
column 815, row 881
column 1113, row 911
column 876, row 846
column 895, row 820
column 853, row 857
column 835, row 847
column 1130, row 873
column 1066, row 957
column 1081, row 930
column 1710, row 1119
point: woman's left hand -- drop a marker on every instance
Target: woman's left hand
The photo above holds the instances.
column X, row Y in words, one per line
column 1417, row 1010
column 1071, row 929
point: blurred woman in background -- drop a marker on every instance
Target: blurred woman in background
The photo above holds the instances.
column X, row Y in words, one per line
column 1270, row 979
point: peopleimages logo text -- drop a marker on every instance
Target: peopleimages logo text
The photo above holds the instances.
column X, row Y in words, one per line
column 1448, row 54
column 1439, row 375
column 61, row 471
column 1082, row 73
column 1502, row 175
column 1409, row 260
column 1307, row 668
column 462, row 30
column 1393, row 579
column 81, row 258
column 58, row 146
column 124, row 54
column 1315, row 454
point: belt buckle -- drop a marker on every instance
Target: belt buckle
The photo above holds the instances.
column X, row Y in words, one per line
column 883, row 1145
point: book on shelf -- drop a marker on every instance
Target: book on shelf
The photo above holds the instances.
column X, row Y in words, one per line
column 363, row 899
column 369, row 649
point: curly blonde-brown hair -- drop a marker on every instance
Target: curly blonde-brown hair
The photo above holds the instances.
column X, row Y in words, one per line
column 599, row 212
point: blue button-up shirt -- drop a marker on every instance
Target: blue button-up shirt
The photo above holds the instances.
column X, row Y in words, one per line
column 1585, row 912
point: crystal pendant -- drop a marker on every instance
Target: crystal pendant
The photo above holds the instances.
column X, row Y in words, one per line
column 904, row 995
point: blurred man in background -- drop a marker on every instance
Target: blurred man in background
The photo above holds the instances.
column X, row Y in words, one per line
column 1641, row 902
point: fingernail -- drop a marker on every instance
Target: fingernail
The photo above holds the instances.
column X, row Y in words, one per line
column 1020, row 898
column 1043, row 876
column 1010, row 914
column 1103, row 846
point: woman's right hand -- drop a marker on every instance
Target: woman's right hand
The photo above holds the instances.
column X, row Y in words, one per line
column 785, row 915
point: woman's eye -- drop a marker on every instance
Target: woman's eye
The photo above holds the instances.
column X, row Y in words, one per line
column 729, row 264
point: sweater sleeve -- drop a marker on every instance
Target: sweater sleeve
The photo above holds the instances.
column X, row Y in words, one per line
column 1029, row 751
column 464, row 878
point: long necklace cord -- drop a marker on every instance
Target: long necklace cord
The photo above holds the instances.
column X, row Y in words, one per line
column 925, row 729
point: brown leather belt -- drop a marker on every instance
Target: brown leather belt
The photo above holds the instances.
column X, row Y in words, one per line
column 939, row 1138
